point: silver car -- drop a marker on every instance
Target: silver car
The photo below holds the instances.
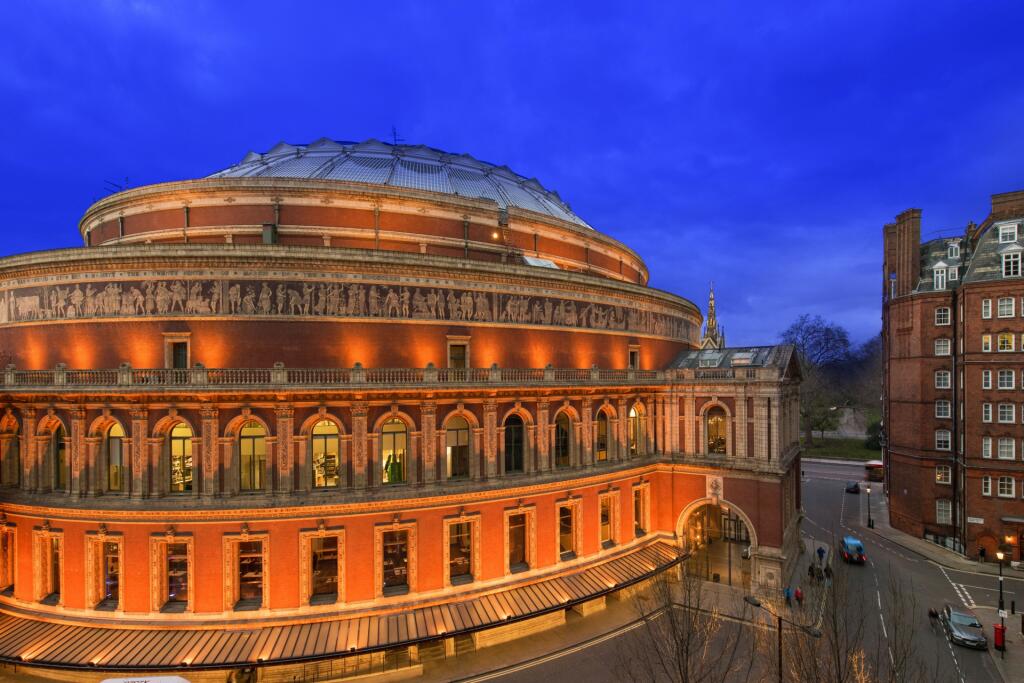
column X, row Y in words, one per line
column 963, row 627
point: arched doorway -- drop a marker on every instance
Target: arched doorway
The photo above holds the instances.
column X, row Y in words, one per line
column 720, row 544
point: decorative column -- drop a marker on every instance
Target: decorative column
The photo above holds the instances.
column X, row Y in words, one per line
column 428, row 440
column 739, row 445
column 587, row 443
column 285, row 450
column 673, row 422
column 360, row 468
column 774, row 427
column 94, row 466
column 530, row 451
column 690, row 420
column 760, row 428
column 490, row 439
column 138, row 453
column 78, row 456
column 543, row 442
column 622, row 433
column 29, row 451
column 209, row 455
column 157, row 482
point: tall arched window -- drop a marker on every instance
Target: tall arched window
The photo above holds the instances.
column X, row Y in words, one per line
column 59, row 453
column 601, row 439
column 562, row 440
column 180, row 456
column 326, row 446
column 514, row 439
column 393, row 441
column 252, row 452
column 116, row 467
column 715, row 430
column 457, row 447
column 637, row 431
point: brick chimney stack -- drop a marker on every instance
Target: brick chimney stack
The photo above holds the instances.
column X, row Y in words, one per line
column 902, row 253
column 1007, row 205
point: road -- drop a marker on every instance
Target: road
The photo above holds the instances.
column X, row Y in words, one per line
column 831, row 513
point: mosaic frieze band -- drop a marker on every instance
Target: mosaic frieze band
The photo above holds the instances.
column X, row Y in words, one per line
column 182, row 297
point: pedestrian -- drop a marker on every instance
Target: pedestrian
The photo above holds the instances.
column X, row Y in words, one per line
column 828, row 572
column 799, row 597
column 821, row 555
column 789, row 596
column 810, row 572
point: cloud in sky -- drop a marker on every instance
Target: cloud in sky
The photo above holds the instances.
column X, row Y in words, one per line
column 761, row 145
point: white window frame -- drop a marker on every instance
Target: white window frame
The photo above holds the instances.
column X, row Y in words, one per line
column 986, row 309
column 986, row 379
column 986, row 485
column 942, row 317
column 953, row 273
column 986, row 412
column 953, row 251
column 942, row 379
column 1008, row 376
column 1007, row 233
column 943, row 347
column 942, row 409
column 1004, row 307
column 1007, row 413
column 1012, row 345
column 943, row 511
column 986, row 446
column 1011, row 264
column 942, row 436
column 1010, row 490
column 1006, row 449
column 943, row 474
column 939, row 278
column 986, row 343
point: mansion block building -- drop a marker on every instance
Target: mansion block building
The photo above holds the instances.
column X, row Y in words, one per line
column 953, row 403
column 363, row 400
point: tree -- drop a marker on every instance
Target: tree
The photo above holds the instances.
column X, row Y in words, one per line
column 821, row 348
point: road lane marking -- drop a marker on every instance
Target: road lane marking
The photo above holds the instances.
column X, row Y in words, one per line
column 884, row 632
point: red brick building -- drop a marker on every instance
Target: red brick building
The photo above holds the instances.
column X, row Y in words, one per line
column 953, row 407
column 354, row 400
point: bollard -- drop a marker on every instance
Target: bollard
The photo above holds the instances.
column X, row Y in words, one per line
column 1013, row 606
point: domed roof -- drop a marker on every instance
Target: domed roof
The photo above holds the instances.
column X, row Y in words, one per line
column 413, row 166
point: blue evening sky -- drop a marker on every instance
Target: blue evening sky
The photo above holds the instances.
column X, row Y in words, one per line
column 761, row 145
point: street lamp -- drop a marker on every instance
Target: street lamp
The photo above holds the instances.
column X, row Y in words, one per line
column 809, row 630
column 1002, row 621
column 871, row 523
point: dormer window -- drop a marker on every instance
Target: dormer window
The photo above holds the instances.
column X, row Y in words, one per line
column 1011, row 263
column 939, row 278
column 1007, row 233
column 953, row 273
column 954, row 252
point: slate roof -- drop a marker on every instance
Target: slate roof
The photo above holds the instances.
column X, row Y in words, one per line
column 735, row 357
column 416, row 167
column 980, row 261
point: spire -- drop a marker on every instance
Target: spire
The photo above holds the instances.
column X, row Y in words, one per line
column 713, row 337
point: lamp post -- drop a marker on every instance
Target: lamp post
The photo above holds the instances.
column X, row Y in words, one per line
column 1002, row 621
column 809, row 630
column 871, row 523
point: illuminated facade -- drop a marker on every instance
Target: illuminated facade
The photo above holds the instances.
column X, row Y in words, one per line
column 380, row 396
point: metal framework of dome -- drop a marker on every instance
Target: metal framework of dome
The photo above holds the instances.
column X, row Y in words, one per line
column 416, row 167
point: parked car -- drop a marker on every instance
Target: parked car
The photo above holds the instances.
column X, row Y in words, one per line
column 852, row 550
column 962, row 627
column 853, row 487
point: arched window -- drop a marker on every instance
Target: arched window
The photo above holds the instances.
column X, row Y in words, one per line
column 457, row 451
column 562, row 433
column 601, row 439
column 326, row 454
column 180, row 452
column 10, row 473
column 116, row 467
column 514, row 433
column 637, row 431
column 715, row 430
column 393, row 440
column 252, row 452
column 59, row 453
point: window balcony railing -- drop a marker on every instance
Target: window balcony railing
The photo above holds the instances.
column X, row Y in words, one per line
column 200, row 376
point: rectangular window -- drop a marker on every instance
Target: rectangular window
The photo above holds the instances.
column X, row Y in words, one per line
column 323, row 564
column 986, row 486
column 943, row 511
column 942, row 347
column 942, row 409
column 986, row 446
column 942, row 316
column 395, row 565
column 986, row 379
column 1006, row 341
column 1004, row 307
column 460, row 552
column 986, row 412
column 1007, row 233
column 458, row 356
column 250, row 575
column 986, row 343
column 517, row 561
column 639, row 512
column 1006, row 379
column 179, row 355
column 606, row 522
column 634, row 359
column 943, row 474
column 953, row 273
column 1006, row 487
column 176, row 589
column 986, row 308
column 939, row 278
column 566, row 532
column 1006, row 448
column 1006, row 413
column 6, row 561
column 1011, row 265
column 942, row 440
column 109, row 576
column 942, row 379
column 954, row 251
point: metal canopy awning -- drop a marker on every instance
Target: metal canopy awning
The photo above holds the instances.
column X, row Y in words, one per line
column 29, row 641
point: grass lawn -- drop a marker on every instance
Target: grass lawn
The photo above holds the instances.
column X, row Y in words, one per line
column 843, row 449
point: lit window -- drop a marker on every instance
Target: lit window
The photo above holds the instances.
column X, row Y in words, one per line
column 943, row 474
column 943, row 511
column 106, row 592
column 942, row 379
column 457, row 448
column 1005, row 341
column 942, row 442
column 1007, row 233
column 1011, row 264
column 252, row 451
column 563, row 432
column 986, row 446
column 986, row 343
column 566, row 532
column 1006, row 379
column 395, row 562
column 605, row 521
column 116, row 465
column 326, row 446
column 716, row 431
column 942, row 316
column 1006, row 413
column 175, row 589
column 640, row 503
column 517, row 557
column 942, row 347
column 942, row 409
column 638, row 430
column 393, row 439
column 460, row 552
column 7, row 561
column 986, row 486
column 939, row 278
column 323, row 567
column 986, row 379
column 986, row 412
column 986, row 308
column 180, row 447
column 1004, row 307
column 59, row 456
column 1006, row 449
column 249, row 575
column 1006, row 487
column 601, row 437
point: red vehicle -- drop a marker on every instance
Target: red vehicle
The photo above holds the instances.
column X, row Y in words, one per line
column 874, row 470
